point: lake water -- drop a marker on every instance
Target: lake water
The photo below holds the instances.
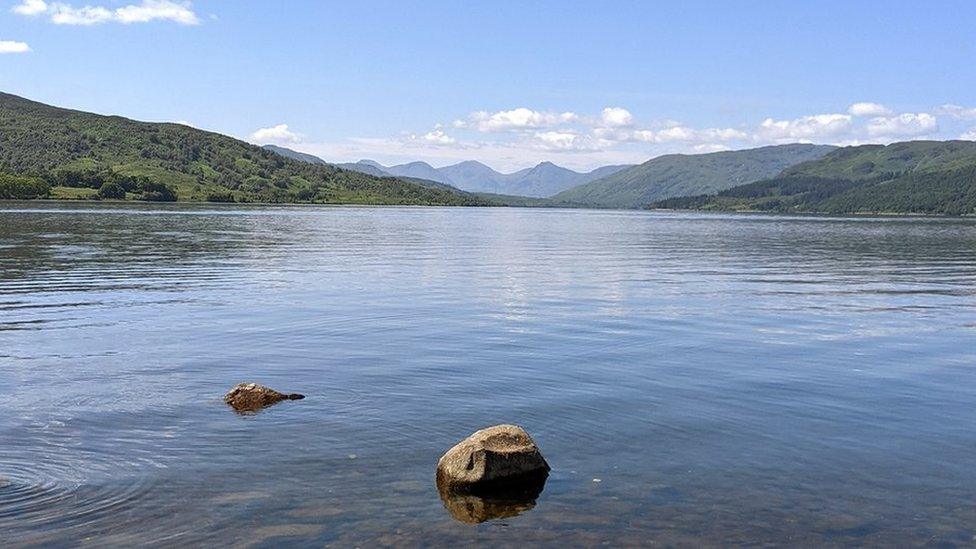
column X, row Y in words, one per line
column 691, row 379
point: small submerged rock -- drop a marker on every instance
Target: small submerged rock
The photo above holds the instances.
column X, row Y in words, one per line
column 251, row 397
column 496, row 472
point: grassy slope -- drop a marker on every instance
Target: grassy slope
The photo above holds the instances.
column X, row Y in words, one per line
column 684, row 175
column 934, row 177
column 38, row 139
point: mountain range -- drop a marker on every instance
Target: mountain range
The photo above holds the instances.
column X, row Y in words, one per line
column 683, row 175
column 51, row 152
column 540, row 181
column 930, row 177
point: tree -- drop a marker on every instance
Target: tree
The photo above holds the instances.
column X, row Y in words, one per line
column 220, row 196
column 156, row 192
column 15, row 187
column 112, row 190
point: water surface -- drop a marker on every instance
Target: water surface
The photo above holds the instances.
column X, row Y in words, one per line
column 692, row 379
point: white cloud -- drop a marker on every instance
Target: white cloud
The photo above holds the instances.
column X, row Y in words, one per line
column 677, row 133
column 30, row 7
column 279, row 134
column 562, row 141
column 163, row 10
column 149, row 10
column 616, row 135
column 722, row 134
column 903, row 125
column 646, row 136
column 815, row 126
column 10, row 46
column 520, row 137
column 437, row 136
column 711, row 148
column 62, row 14
column 565, row 131
column 868, row 109
column 615, row 117
column 956, row 111
column 519, row 119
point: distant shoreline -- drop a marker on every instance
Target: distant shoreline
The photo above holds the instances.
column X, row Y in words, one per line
column 814, row 213
column 114, row 202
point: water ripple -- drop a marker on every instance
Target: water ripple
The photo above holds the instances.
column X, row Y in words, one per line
column 762, row 379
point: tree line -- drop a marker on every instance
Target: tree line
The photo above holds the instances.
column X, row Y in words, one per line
column 107, row 184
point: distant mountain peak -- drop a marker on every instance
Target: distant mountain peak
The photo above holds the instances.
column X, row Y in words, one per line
column 542, row 180
column 417, row 163
column 469, row 167
column 550, row 170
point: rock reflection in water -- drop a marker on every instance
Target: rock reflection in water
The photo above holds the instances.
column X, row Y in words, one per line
column 474, row 506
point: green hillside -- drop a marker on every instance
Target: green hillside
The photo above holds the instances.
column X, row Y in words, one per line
column 83, row 155
column 685, row 175
column 869, row 161
column 924, row 177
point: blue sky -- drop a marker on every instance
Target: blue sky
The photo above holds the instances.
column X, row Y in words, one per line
column 509, row 83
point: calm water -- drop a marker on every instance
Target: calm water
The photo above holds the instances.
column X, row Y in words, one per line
column 728, row 379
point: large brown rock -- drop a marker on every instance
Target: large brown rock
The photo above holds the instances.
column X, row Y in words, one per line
column 498, row 457
column 251, row 397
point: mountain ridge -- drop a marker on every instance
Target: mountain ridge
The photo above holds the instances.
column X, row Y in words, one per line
column 686, row 175
column 915, row 177
column 540, row 181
